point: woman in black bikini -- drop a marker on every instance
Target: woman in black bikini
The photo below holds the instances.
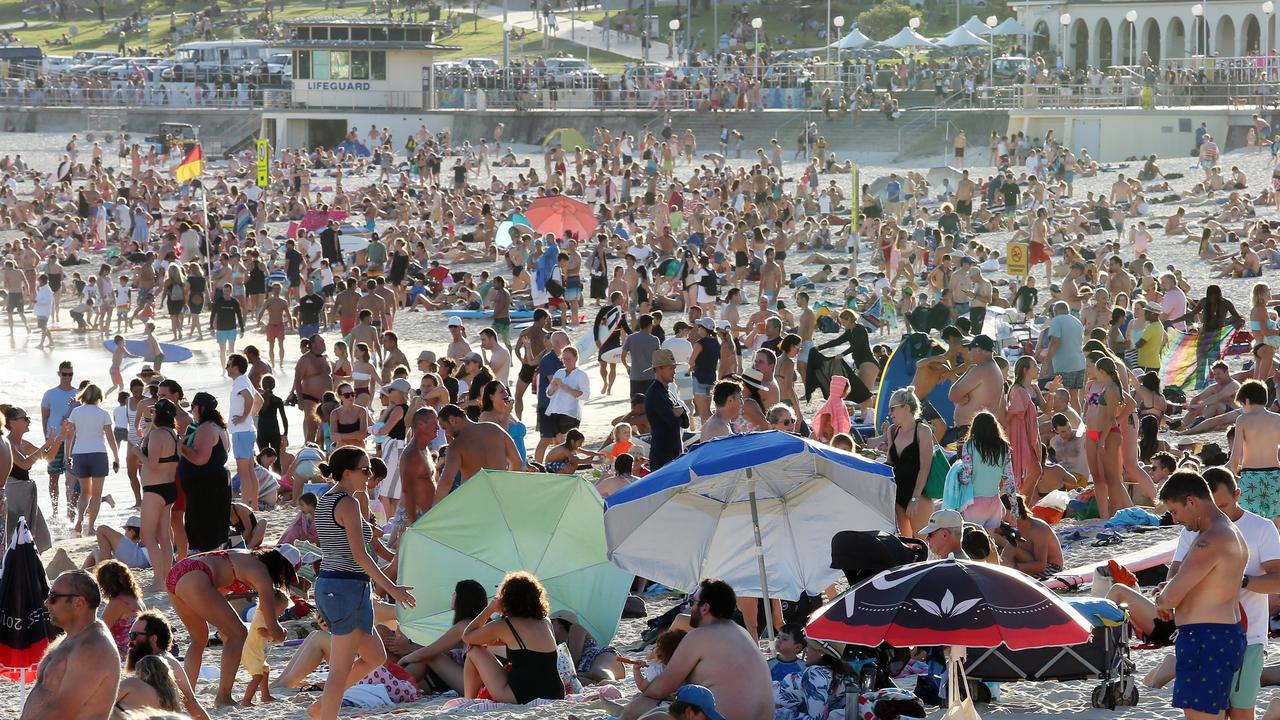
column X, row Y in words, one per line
column 195, row 297
column 530, row 640
column 349, row 422
column 159, row 487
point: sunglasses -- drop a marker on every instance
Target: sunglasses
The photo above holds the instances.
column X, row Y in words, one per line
column 365, row 470
column 55, row 596
column 66, row 374
column 788, row 421
column 348, row 394
column 136, row 635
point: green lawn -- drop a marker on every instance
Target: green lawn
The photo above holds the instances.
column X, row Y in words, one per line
column 476, row 39
column 484, row 39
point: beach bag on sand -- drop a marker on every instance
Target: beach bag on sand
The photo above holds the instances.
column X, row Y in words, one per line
column 964, row 709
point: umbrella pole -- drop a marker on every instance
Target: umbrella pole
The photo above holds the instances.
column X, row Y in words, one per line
column 764, row 579
column 955, row 671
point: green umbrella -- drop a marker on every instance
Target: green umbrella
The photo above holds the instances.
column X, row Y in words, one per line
column 497, row 522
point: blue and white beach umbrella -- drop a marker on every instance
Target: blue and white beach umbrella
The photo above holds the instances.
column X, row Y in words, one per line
column 757, row 511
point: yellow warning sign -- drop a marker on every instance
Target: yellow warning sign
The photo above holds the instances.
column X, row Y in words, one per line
column 264, row 162
column 1018, row 254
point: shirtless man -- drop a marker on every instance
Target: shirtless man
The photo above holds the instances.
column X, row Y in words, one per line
column 151, row 634
column 1216, row 399
column 372, row 302
column 530, row 346
column 497, row 357
column 741, row 257
column 458, row 346
column 345, row 303
column 312, row 378
column 16, row 288
column 805, row 325
column 770, row 276
column 980, row 388
column 1039, row 247
column 726, row 395
column 718, row 654
column 499, row 300
column 394, row 357
column 965, row 189
column 1118, row 279
column 365, row 332
column 80, row 674
column 417, row 469
column 472, row 448
column 1203, row 599
column 257, row 367
column 1254, row 451
column 1121, row 191
column 279, row 321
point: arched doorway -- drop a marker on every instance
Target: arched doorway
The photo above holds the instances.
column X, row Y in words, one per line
column 1103, row 41
column 1175, row 39
column 1252, row 34
column 1224, row 44
column 1040, row 38
column 1078, row 45
column 1151, row 39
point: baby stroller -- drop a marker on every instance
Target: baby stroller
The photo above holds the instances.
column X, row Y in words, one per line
column 1104, row 657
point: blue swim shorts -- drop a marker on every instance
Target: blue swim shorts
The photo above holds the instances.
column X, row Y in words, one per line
column 1208, row 655
column 226, row 337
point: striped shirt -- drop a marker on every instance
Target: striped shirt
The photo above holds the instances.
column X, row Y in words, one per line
column 333, row 537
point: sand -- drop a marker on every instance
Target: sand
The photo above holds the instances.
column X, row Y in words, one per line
column 426, row 330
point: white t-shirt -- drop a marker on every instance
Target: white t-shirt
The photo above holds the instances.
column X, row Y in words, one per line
column 44, row 302
column 121, row 417
column 89, row 421
column 1263, row 541
column 562, row 402
column 239, row 407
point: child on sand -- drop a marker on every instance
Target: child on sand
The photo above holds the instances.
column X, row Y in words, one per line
column 254, row 657
column 117, row 356
column 154, row 352
column 120, row 419
column 787, row 648
column 303, row 526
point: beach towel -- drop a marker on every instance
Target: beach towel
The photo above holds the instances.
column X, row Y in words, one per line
column 545, row 266
column 820, row 370
column 393, row 681
column 472, row 705
column 1132, row 517
column 366, row 696
column 1187, row 357
column 833, row 417
column 957, row 495
column 1100, row 612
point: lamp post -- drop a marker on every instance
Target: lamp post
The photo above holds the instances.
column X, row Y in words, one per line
column 839, row 23
column 673, row 26
column 1268, row 7
column 1063, row 21
column 1132, row 18
column 756, row 23
column 506, row 47
column 991, row 47
column 828, row 30
column 1197, row 11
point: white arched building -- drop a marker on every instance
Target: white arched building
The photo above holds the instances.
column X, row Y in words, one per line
column 1100, row 34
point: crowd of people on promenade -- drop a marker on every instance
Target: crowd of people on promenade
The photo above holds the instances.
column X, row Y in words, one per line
column 722, row 292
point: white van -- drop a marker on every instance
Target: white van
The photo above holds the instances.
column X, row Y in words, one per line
column 209, row 57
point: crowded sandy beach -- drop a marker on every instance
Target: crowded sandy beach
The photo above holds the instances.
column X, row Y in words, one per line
column 242, row 417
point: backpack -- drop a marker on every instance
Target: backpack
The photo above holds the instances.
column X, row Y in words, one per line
column 710, row 282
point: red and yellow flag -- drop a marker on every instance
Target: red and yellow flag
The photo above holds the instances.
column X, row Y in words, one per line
column 191, row 167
